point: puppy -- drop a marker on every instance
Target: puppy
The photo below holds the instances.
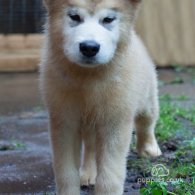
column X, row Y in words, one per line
column 98, row 83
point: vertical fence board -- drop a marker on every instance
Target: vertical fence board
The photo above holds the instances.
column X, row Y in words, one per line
column 168, row 30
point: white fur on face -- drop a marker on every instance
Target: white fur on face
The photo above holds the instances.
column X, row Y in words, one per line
column 90, row 28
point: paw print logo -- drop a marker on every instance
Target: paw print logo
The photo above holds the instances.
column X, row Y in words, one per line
column 159, row 170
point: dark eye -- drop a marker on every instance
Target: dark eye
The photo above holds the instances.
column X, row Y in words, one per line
column 75, row 17
column 108, row 20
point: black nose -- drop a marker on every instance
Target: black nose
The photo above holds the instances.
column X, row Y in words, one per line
column 89, row 48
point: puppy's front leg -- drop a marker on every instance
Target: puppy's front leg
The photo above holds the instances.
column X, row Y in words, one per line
column 113, row 142
column 88, row 169
column 66, row 154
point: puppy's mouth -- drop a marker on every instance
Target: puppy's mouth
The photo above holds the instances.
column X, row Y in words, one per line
column 88, row 62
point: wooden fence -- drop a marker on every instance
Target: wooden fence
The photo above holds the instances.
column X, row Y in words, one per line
column 167, row 28
column 21, row 16
column 19, row 52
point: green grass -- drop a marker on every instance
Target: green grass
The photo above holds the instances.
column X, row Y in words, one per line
column 183, row 171
column 187, row 149
column 168, row 97
column 18, row 144
column 179, row 79
column 184, row 188
column 155, row 188
column 161, row 188
column 174, row 120
column 180, row 181
column 168, row 124
column 172, row 116
column 38, row 109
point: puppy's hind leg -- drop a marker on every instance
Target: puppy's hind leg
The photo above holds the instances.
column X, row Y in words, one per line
column 145, row 126
column 88, row 169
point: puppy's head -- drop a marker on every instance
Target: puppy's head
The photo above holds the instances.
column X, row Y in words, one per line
column 90, row 31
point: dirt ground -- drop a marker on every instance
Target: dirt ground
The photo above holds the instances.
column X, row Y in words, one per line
column 25, row 154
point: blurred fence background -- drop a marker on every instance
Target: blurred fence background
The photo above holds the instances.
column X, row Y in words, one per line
column 168, row 30
column 21, row 16
column 166, row 27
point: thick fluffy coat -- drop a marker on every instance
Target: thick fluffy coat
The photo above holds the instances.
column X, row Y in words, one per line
column 98, row 83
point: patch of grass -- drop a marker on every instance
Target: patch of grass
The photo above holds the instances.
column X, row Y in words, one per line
column 170, row 116
column 155, row 188
column 183, row 171
column 190, row 70
column 141, row 164
column 190, row 144
column 179, row 187
column 181, row 179
column 182, row 97
column 166, row 97
column 178, row 67
column 38, row 109
column 169, row 97
column 18, row 144
column 168, row 123
column 186, row 149
column 190, row 115
column 177, row 80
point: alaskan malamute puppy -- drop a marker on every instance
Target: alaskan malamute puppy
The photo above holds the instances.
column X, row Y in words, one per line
column 98, row 83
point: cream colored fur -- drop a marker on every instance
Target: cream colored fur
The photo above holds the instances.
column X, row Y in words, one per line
column 99, row 106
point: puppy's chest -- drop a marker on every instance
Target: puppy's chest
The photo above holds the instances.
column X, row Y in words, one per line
column 100, row 102
column 95, row 108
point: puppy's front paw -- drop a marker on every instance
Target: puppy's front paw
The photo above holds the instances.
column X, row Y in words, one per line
column 148, row 150
column 87, row 176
